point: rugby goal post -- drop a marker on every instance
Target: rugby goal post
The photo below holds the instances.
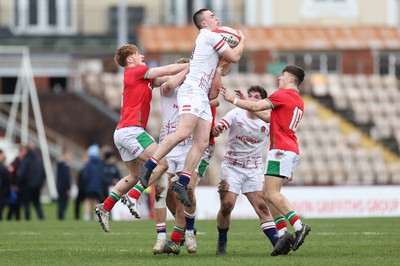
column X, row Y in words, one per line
column 25, row 93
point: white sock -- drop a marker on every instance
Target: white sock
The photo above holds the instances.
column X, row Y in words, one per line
column 282, row 231
column 189, row 232
column 161, row 235
column 297, row 225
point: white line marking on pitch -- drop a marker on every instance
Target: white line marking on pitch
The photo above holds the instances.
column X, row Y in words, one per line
column 351, row 233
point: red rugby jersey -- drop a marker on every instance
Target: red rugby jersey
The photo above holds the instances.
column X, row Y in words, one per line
column 287, row 111
column 136, row 97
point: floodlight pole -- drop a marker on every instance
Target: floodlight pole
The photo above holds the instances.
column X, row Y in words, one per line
column 122, row 23
column 122, row 37
column 39, row 125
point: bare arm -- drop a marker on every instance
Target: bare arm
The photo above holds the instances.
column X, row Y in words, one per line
column 217, row 130
column 264, row 115
column 215, row 85
column 226, row 66
column 214, row 103
column 174, row 81
column 241, row 94
column 222, row 70
column 161, row 80
column 161, row 71
column 245, row 104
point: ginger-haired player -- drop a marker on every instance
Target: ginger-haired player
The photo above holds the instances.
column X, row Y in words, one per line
column 134, row 144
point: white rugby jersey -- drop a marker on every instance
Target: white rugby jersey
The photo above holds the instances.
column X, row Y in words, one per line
column 246, row 139
column 204, row 60
column 170, row 114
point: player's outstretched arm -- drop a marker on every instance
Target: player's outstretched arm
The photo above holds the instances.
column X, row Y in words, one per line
column 245, row 104
column 174, row 81
column 241, row 94
column 264, row 115
column 161, row 71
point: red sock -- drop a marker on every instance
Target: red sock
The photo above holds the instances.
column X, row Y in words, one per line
column 110, row 201
column 135, row 192
column 294, row 220
column 292, row 217
column 176, row 235
column 281, row 225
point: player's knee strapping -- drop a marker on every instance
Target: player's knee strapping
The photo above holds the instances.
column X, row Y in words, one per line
column 161, row 186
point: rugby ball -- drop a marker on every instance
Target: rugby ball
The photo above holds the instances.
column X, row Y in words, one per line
column 231, row 36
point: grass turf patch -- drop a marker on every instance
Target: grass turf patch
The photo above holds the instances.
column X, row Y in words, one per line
column 362, row 241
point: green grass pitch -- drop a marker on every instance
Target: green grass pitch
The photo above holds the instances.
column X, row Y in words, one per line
column 369, row 241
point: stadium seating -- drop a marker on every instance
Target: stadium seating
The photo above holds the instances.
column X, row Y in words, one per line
column 372, row 99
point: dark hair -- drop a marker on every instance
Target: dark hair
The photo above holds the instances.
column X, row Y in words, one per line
column 296, row 71
column 198, row 17
column 259, row 89
column 108, row 154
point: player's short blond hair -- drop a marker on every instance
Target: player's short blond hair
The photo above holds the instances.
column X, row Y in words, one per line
column 123, row 52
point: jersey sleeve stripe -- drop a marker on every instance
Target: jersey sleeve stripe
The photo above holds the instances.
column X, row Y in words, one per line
column 272, row 105
column 147, row 72
column 219, row 45
column 224, row 123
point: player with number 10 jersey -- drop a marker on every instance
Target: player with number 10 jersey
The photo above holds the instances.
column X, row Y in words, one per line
column 285, row 121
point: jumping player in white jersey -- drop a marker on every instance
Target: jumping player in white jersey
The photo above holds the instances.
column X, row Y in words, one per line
column 175, row 158
column 184, row 216
column 242, row 169
column 195, row 116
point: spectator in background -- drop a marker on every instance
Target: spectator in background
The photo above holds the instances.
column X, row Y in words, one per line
column 111, row 174
column 63, row 184
column 4, row 183
column 81, row 190
column 30, row 179
column 14, row 203
column 92, row 177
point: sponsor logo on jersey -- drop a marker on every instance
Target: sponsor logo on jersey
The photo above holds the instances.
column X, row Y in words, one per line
column 245, row 139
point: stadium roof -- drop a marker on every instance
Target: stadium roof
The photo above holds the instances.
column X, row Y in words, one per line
column 169, row 39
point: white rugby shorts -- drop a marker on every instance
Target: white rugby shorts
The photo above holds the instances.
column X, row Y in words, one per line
column 241, row 179
column 131, row 142
column 193, row 100
column 176, row 162
column 176, row 159
column 281, row 163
